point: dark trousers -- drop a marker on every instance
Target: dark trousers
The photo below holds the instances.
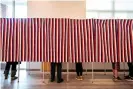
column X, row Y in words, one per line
column 13, row 70
column 59, row 71
column 130, row 65
column 79, row 69
column 9, row 64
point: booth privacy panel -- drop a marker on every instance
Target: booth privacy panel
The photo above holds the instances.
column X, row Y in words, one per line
column 66, row 40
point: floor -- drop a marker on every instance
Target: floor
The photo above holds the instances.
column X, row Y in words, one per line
column 34, row 80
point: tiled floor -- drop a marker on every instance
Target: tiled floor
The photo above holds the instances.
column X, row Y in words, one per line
column 35, row 81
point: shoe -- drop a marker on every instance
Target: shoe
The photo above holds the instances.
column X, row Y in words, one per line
column 116, row 78
column 130, row 79
column 6, row 74
column 78, row 77
column 60, row 81
column 6, row 77
column 81, row 78
column 127, row 77
column 14, row 78
column 52, row 80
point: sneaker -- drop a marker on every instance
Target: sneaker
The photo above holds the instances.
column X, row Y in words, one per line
column 127, row 77
column 81, row 78
column 116, row 78
column 52, row 80
column 130, row 79
column 6, row 77
column 60, row 81
column 78, row 77
column 14, row 78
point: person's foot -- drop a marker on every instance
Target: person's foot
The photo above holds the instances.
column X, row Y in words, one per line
column 117, row 78
column 6, row 77
column 81, row 78
column 60, row 81
column 131, row 79
column 127, row 77
column 52, row 80
column 14, row 78
column 78, row 77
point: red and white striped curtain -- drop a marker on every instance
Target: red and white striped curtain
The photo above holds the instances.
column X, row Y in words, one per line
column 44, row 40
column 125, row 41
column 81, row 40
column 66, row 40
column 10, row 39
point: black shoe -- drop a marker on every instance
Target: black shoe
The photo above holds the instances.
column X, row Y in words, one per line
column 127, row 77
column 14, row 78
column 52, row 80
column 6, row 74
column 6, row 77
column 131, row 79
column 116, row 78
column 60, row 81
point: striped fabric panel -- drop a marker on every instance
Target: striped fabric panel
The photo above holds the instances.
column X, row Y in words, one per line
column 10, row 39
column 103, row 53
column 1, row 35
column 124, row 40
column 29, row 39
column 119, row 42
column 97, row 40
column 105, row 42
column 90, row 25
column 16, row 40
column 56, row 39
column 23, row 40
column 95, row 27
column 111, row 31
column 74, row 41
column 81, row 41
column 114, row 37
column 130, row 40
column 66, row 40
column 125, row 30
column 4, row 39
column 108, row 41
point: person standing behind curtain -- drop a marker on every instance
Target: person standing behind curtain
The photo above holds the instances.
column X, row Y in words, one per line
column 116, row 68
column 59, row 72
column 13, row 70
column 129, row 77
column 79, row 71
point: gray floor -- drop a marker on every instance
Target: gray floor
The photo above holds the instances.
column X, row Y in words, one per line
column 35, row 81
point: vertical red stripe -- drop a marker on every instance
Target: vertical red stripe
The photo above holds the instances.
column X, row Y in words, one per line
column 87, row 40
column 82, row 42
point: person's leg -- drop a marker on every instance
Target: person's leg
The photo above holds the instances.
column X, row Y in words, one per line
column 59, row 73
column 131, row 70
column 116, row 67
column 7, row 69
column 77, row 69
column 14, row 70
column 80, row 69
column 130, row 65
column 53, row 71
column 130, row 76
